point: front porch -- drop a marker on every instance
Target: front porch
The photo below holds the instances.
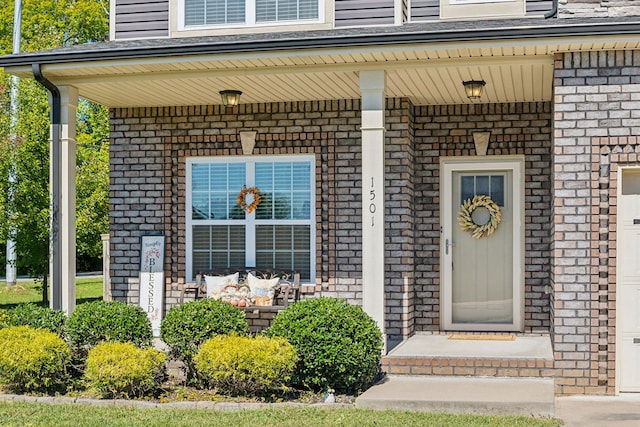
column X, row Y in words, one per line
column 487, row 355
column 461, row 372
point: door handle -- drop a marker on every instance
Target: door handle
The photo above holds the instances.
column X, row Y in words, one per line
column 446, row 246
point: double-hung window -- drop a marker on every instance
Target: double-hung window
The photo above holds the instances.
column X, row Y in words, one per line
column 249, row 12
column 278, row 235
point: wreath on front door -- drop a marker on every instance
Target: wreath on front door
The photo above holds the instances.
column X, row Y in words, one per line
column 467, row 223
column 254, row 194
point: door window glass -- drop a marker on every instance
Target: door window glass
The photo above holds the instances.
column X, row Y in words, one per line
column 488, row 185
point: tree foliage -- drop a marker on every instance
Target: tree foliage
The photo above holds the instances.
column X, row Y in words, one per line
column 92, row 182
column 49, row 24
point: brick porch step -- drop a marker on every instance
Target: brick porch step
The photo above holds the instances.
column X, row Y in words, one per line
column 436, row 354
column 474, row 366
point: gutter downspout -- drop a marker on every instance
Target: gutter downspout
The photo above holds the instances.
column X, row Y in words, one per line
column 553, row 13
column 56, row 187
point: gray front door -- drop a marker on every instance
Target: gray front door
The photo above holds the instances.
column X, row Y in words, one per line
column 482, row 277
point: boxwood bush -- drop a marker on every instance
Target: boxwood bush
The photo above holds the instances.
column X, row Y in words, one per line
column 4, row 318
column 189, row 325
column 245, row 366
column 37, row 317
column 339, row 345
column 113, row 321
column 32, row 359
column 123, row 370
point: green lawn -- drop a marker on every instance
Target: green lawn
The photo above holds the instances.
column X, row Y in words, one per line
column 87, row 289
column 42, row 415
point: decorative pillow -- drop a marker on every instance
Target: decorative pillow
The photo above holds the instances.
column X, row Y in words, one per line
column 216, row 283
column 263, row 290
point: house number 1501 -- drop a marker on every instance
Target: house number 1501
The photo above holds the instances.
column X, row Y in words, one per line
column 372, row 203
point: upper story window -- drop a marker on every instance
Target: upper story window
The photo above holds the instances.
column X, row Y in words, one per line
column 476, row 1
column 249, row 12
column 213, row 12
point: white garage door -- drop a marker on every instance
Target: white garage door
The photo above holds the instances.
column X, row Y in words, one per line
column 628, row 281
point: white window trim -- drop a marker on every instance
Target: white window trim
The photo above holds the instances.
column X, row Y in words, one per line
column 250, row 19
column 456, row 2
column 482, row 9
column 250, row 231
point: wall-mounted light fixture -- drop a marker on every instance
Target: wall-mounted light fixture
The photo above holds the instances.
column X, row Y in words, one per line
column 230, row 98
column 473, row 88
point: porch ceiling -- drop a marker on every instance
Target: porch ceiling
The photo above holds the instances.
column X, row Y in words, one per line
column 427, row 74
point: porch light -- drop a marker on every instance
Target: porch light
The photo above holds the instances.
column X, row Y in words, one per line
column 230, row 98
column 473, row 88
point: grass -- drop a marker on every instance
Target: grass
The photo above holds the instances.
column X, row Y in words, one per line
column 87, row 289
column 42, row 414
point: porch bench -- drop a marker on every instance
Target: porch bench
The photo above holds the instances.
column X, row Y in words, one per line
column 287, row 290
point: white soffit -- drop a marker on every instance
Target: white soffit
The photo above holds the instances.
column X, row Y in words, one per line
column 515, row 71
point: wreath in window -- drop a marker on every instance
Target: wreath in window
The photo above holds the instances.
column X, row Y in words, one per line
column 479, row 228
column 249, row 198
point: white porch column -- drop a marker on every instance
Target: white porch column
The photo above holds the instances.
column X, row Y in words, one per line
column 63, row 206
column 106, row 265
column 372, row 84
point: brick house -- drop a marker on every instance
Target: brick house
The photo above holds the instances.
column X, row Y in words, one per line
column 355, row 123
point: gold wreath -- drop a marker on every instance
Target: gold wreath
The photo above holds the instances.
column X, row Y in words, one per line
column 242, row 199
column 466, row 221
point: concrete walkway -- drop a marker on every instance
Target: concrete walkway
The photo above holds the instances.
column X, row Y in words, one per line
column 521, row 396
column 459, row 394
column 599, row 411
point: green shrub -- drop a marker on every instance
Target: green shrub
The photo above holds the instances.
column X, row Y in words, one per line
column 32, row 359
column 245, row 365
column 339, row 345
column 4, row 318
column 98, row 321
column 123, row 370
column 187, row 326
column 37, row 317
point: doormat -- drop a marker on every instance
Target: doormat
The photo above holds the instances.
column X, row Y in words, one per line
column 477, row 337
